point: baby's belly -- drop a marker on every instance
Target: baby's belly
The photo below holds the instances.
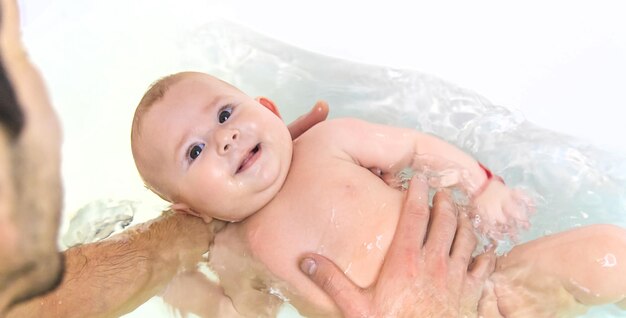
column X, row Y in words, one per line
column 347, row 215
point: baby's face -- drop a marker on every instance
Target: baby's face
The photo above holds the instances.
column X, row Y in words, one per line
column 213, row 149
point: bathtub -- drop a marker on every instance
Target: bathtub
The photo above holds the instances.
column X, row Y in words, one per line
column 555, row 90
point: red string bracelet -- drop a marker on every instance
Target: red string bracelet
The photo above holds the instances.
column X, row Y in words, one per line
column 490, row 176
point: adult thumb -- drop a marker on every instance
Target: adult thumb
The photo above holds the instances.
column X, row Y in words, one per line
column 350, row 298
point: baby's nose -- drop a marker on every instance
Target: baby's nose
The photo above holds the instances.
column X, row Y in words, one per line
column 226, row 139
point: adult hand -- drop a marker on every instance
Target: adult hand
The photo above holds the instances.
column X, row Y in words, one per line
column 318, row 113
column 427, row 270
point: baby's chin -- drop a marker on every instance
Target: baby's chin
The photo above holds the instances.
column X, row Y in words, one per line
column 250, row 209
column 250, row 203
column 238, row 214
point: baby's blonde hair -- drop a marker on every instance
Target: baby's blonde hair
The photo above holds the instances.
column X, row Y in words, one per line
column 155, row 92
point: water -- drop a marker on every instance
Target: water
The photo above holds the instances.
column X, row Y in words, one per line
column 573, row 182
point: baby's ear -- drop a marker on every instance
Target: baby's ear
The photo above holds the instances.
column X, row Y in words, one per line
column 185, row 209
column 268, row 104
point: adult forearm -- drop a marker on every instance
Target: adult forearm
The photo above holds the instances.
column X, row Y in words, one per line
column 114, row 276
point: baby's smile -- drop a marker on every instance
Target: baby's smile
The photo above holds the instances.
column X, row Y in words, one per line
column 250, row 158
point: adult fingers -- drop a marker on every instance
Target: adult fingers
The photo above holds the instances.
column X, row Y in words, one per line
column 478, row 289
column 350, row 298
column 488, row 303
column 483, row 265
column 413, row 221
column 443, row 226
column 462, row 248
column 318, row 113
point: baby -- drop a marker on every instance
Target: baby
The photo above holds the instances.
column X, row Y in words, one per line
column 214, row 152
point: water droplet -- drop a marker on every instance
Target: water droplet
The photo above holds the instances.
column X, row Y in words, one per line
column 476, row 221
column 378, row 240
column 348, row 268
column 609, row 260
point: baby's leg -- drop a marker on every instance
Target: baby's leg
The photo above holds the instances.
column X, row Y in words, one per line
column 192, row 292
column 563, row 273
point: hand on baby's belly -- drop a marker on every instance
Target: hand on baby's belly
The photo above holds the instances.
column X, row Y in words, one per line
column 353, row 226
column 342, row 211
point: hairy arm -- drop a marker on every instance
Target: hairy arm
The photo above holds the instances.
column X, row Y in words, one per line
column 114, row 276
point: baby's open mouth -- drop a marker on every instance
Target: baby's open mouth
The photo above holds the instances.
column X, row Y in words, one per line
column 250, row 158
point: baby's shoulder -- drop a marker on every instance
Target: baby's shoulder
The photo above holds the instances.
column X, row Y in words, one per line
column 332, row 136
column 335, row 128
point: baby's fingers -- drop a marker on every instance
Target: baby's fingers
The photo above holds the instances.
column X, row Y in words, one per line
column 524, row 201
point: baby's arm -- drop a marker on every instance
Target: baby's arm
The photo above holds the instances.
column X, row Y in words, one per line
column 387, row 150
column 563, row 273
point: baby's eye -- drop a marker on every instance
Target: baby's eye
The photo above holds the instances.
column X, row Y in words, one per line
column 195, row 150
column 224, row 114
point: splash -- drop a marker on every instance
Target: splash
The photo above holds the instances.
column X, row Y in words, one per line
column 99, row 219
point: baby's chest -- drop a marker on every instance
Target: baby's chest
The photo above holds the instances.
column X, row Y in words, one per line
column 332, row 184
column 335, row 208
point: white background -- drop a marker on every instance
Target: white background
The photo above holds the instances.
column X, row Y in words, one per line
column 563, row 63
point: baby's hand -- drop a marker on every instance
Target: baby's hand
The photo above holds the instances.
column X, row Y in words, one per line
column 500, row 211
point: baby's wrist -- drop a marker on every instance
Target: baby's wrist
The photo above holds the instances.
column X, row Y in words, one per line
column 489, row 176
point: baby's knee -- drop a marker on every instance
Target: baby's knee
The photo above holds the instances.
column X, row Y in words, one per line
column 602, row 278
column 607, row 235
